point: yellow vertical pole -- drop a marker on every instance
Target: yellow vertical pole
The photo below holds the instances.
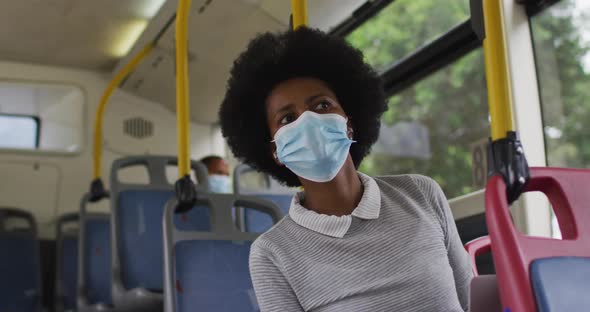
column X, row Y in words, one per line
column 182, row 88
column 104, row 100
column 299, row 11
column 498, row 80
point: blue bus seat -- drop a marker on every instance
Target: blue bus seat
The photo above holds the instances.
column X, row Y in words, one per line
column 140, row 220
column 138, row 211
column 209, row 288
column 208, row 271
column 97, row 259
column 259, row 222
column 251, row 220
column 94, row 261
column 561, row 283
column 69, row 271
column 20, row 268
column 66, row 262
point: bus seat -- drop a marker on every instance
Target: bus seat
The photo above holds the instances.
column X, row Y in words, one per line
column 249, row 219
column 196, row 263
column 94, row 261
column 259, row 222
column 138, row 210
column 542, row 273
column 20, row 268
column 66, row 262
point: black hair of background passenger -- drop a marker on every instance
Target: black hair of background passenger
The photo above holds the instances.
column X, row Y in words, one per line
column 272, row 58
column 207, row 160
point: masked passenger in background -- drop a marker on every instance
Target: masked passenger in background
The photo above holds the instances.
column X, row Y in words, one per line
column 305, row 108
column 218, row 169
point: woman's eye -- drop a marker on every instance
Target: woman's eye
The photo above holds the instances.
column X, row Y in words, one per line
column 286, row 119
column 323, row 105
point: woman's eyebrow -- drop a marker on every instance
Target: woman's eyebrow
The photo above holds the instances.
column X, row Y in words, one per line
column 312, row 98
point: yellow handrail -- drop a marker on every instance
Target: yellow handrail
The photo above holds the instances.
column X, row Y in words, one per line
column 498, row 80
column 299, row 11
column 182, row 90
column 104, row 100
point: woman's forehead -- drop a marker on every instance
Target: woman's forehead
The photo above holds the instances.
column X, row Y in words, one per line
column 295, row 91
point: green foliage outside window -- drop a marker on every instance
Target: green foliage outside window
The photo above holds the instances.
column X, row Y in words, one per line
column 562, row 48
column 451, row 104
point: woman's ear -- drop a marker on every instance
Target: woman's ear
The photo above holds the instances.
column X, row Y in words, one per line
column 350, row 130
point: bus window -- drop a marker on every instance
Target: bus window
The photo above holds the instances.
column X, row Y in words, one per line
column 41, row 117
column 403, row 26
column 430, row 127
column 19, row 132
column 561, row 37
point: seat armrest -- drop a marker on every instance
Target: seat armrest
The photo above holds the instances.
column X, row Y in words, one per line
column 478, row 247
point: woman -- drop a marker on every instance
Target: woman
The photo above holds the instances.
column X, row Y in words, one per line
column 304, row 107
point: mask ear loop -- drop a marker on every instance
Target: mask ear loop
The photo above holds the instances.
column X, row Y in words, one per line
column 274, row 154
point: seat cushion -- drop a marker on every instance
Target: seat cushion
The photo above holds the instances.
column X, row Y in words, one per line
column 19, row 272
column 213, row 276
column 561, row 284
column 140, row 238
column 97, row 261
column 69, row 270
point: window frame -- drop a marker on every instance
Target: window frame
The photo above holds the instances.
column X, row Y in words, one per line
column 534, row 7
column 37, row 121
column 83, row 119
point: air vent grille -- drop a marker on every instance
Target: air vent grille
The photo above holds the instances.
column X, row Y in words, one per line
column 138, row 128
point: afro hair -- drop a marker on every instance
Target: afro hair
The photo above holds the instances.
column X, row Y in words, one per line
column 305, row 53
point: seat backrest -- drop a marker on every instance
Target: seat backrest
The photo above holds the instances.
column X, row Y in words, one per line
column 20, row 268
column 137, row 211
column 94, row 256
column 208, row 271
column 66, row 261
column 249, row 219
column 524, row 263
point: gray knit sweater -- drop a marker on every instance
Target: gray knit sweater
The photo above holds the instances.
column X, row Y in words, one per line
column 398, row 251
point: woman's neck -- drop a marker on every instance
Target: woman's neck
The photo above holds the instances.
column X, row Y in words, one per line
column 338, row 197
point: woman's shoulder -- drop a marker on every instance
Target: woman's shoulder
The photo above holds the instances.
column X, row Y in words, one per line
column 268, row 242
column 409, row 182
column 412, row 190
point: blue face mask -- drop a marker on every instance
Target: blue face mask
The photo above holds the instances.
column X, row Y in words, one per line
column 315, row 146
column 219, row 183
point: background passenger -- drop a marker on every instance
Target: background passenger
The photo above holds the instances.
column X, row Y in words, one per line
column 303, row 107
column 218, row 169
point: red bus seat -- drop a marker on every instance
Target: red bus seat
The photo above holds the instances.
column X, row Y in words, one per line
column 536, row 272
